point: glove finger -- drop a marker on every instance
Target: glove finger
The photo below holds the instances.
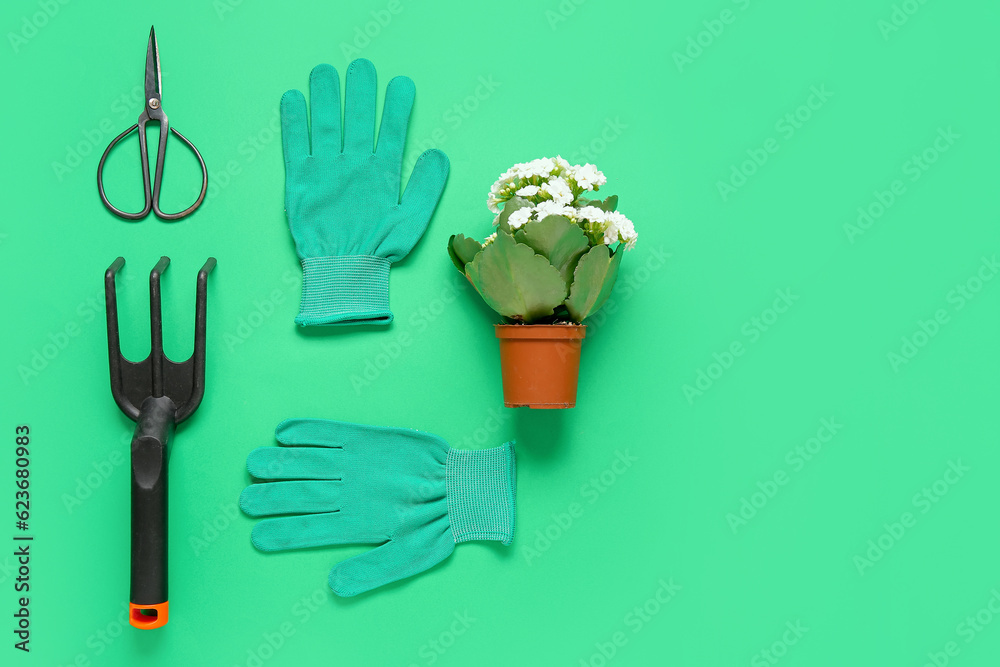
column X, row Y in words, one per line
column 417, row 205
column 359, row 111
column 372, row 569
column 324, row 107
column 298, row 497
column 395, row 119
column 295, row 463
column 294, row 132
column 411, row 551
column 330, row 433
column 315, row 530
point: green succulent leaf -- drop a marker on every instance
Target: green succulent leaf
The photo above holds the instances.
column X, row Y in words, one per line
column 557, row 238
column 516, row 282
column 462, row 249
column 509, row 207
column 609, row 204
column 593, row 281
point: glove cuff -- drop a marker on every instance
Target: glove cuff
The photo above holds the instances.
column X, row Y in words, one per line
column 344, row 289
column 481, row 485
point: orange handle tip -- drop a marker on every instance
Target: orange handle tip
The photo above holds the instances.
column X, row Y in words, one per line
column 148, row 616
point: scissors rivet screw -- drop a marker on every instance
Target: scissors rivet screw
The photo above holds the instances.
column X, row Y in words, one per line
column 154, row 103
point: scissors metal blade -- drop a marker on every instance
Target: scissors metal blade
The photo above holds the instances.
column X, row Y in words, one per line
column 153, row 90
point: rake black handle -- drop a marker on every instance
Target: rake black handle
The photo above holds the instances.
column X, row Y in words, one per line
column 151, row 440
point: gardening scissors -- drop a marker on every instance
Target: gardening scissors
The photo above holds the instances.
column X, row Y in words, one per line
column 153, row 110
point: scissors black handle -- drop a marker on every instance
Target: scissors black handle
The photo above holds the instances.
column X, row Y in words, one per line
column 152, row 189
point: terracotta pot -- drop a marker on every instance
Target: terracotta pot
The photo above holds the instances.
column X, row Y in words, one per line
column 540, row 364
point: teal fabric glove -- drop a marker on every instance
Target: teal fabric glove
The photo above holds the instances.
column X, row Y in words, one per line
column 405, row 490
column 342, row 194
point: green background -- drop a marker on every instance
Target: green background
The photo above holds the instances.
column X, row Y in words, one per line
column 567, row 78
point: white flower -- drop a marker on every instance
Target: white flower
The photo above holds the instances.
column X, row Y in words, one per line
column 587, row 176
column 528, row 191
column 544, row 166
column 558, row 189
column 519, row 217
column 620, row 230
column 592, row 213
column 541, row 167
column 550, row 207
column 500, row 190
column 490, row 239
column 522, row 170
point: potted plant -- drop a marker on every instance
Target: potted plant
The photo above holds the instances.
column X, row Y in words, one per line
column 550, row 264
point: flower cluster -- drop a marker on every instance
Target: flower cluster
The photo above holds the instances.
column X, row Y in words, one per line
column 552, row 186
column 545, row 179
column 614, row 226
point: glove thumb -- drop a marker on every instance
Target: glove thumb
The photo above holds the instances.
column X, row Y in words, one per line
column 406, row 554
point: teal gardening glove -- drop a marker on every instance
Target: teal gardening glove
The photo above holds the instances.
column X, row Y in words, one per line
column 405, row 490
column 342, row 195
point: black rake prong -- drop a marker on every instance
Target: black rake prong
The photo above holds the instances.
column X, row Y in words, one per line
column 197, row 359
column 156, row 327
column 115, row 357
